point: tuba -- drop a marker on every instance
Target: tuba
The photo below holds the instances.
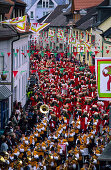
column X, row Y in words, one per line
column 44, row 109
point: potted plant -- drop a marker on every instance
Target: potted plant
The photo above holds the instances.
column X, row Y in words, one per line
column 3, row 76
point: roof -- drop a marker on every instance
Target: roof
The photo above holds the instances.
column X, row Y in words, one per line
column 6, row 2
column 59, row 21
column 21, row 2
column 4, row 92
column 57, row 11
column 87, row 17
column 83, row 4
column 86, row 25
column 5, row 6
column 107, row 33
column 43, row 18
column 6, row 32
column 106, row 154
column 60, row 2
column 9, row 31
column 9, row 1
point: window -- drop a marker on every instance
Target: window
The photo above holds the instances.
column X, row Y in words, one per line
column 43, row 4
column 31, row 14
column 88, row 37
column 43, row 13
column 1, row 63
column 93, row 39
column 39, row 5
column 77, row 35
column 46, row 4
column 87, row 56
column 51, row 4
column 61, row 46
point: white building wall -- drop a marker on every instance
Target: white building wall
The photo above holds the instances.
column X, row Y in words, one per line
column 5, row 47
column 38, row 12
column 21, row 64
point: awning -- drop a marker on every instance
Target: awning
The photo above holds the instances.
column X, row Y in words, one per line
column 4, row 92
column 107, row 33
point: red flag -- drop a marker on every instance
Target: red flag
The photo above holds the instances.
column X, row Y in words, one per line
column 8, row 54
column 33, row 71
column 61, row 54
column 96, row 52
column 107, row 51
column 48, row 53
column 75, row 53
column 17, row 50
column 15, row 73
column 22, row 53
column 92, row 68
column 27, row 51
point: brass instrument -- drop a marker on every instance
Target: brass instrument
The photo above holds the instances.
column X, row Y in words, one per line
column 44, row 109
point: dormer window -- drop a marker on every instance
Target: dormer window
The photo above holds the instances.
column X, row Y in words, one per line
column 45, row 4
column 51, row 4
column 39, row 5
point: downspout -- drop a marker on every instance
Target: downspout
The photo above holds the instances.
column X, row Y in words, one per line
column 12, row 67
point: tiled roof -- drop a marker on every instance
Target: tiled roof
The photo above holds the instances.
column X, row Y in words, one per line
column 59, row 21
column 83, row 4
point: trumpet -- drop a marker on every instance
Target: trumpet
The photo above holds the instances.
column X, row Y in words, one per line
column 44, row 109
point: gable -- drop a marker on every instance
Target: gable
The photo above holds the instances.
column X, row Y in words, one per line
column 35, row 5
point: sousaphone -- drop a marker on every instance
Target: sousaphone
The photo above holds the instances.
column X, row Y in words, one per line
column 44, row 109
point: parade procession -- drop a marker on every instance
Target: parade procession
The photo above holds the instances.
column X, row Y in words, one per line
column 55, row 85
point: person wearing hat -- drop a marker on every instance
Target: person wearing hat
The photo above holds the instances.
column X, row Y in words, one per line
column 71, row 162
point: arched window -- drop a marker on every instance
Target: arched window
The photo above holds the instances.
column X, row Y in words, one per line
column 39, row 5
column 51, row 4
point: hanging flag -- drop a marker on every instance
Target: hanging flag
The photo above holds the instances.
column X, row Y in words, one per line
column 33, row 71
column 15, row 73
column 23, row 71
column 17, row 50
column 103, row 77
column 36, row 27
column 92, row 68
column 2, row 54
column 8, row 54
column 21, row 26
column 14, row 21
